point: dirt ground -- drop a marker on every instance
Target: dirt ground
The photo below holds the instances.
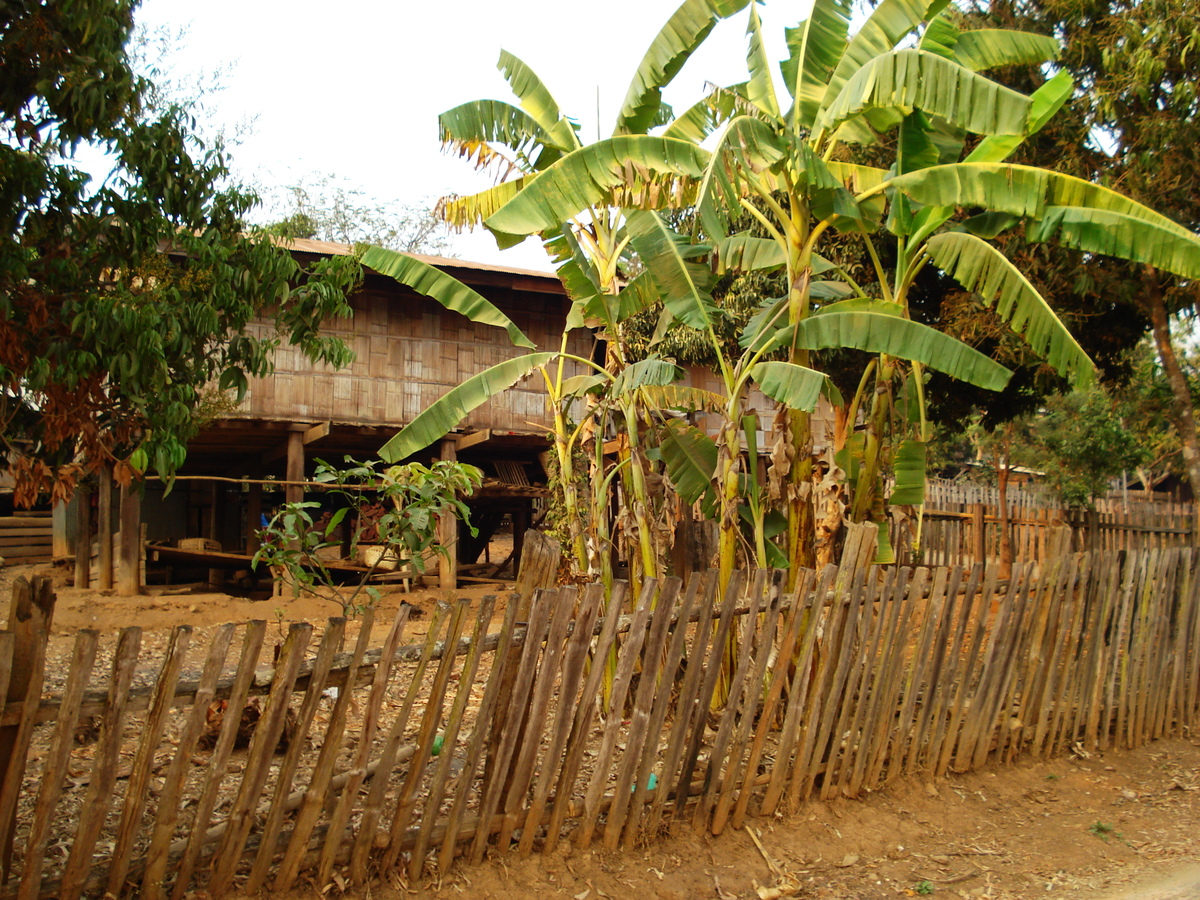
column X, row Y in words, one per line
column 1113, row 826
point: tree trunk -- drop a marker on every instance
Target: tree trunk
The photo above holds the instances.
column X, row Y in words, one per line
column 1183, row 413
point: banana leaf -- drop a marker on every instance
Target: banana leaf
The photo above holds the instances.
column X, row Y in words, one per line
column 903, row 338
column 916, row 79
column 445, row 413
column 795, row 386
column 691, row 459
column 446, row 290
column 675, row 43
column 980, row 267
column 909, row 470
column 684, row 284
column 637, row 170
column 537, row 101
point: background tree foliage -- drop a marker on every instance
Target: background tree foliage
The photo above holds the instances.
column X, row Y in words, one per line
column 1133, row 125
column 123, row 299
column 332, row 209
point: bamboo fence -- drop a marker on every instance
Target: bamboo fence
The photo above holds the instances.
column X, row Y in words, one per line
column 497, row 734
column 962, row 525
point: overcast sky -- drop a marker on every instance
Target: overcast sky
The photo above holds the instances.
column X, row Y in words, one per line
column 353, row 88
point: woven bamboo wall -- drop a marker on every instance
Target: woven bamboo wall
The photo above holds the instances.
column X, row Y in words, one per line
column 409, row 352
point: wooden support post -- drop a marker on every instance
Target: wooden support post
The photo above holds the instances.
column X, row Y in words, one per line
column 129, row 572
column 216, row 513
column 83, row 535
column 520, row 518
column 104, row 530
column 60, row 545
column 254, row 508
column 294, row 493
column 448, row 528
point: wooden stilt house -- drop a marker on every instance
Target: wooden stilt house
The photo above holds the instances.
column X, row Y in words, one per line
column 409, row 351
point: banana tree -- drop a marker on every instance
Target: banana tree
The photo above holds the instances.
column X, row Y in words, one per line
column 779, row 169
column 522, row 143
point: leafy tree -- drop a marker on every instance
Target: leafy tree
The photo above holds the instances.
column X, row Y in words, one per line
column 124, row 298
column 336, row 211
column 1134, row 123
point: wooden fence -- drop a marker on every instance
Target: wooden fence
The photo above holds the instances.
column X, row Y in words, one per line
column 962, row 524
column 580, row 718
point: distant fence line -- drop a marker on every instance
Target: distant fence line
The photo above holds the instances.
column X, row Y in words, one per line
column 511, row 742
column 962, row 525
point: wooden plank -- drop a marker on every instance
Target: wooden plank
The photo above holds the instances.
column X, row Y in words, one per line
column 83, row 658
column 30, row 616
column 446, row 757
column 638, row 734
column 484, row 721
column 791, row 630
column 969, row 663
column 815, row 617
column 138, row 787
column 130, row 556
column 629, row 654
column 505, row 738
column 434, row 702
column 259, row 757
column 331, row 745
column 651, row 747
column 953, row 671
column 839, row 777
column 761, row 647
column 521, row 772
column 702, row 701
column 574, row 668
column 104, row 768
column 331, row 641
column 476, row 437
column 104, row 534
column 219, row 760
column 83, row 532
column 167, row 809
column 908, row 591
column 688, row 706
column 832, row 669
column 920, row 752
column 373, row 806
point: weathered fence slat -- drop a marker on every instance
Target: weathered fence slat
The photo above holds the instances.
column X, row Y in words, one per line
column 314, row 794
column 639, row 719
column 357, row 773
column 331, row 641
column 390, row 752
column 83, row 658
column 139, row 778
column 173, row 784
column 265, row 739
column 104, row 769
column 446, row 756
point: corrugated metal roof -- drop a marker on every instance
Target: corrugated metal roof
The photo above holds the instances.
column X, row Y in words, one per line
column 331, row 248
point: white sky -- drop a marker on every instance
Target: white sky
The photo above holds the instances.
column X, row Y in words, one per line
column 354, row 88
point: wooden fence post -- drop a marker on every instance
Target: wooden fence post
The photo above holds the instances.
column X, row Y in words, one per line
column 979, row 540
column 29, row 619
